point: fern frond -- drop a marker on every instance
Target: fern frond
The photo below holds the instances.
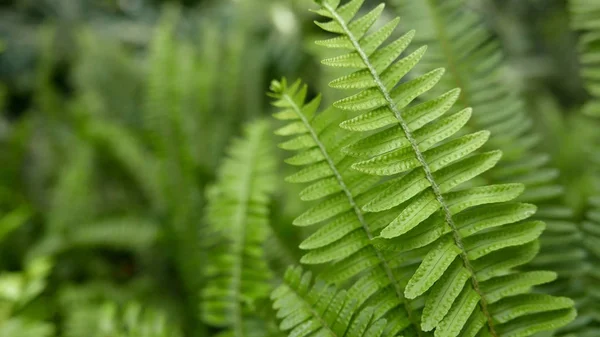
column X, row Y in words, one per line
column 237, row 213
column 585, row 17
column 459, row 41
column 433, row 163
column 310, row 307
column 345, row 238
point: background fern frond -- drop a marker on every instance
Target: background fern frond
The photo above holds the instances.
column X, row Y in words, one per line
column 427, row 164
column 17, row 292
column 238, row 209
column 585, row 18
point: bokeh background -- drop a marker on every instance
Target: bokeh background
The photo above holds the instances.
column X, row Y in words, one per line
column 114, row 115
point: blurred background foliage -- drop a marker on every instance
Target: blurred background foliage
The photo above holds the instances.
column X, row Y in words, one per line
column 116, row 113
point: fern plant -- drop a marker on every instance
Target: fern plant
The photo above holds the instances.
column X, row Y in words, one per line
column 238, row 204
column 457, row 247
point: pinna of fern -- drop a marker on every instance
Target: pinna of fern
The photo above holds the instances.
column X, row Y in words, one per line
column 237, row 214
column 470, row 238
column 458, row 40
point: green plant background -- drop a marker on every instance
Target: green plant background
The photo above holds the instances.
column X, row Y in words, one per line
column 116, row 114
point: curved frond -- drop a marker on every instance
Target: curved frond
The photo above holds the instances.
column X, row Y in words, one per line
column 237, row 272
column 434, row 164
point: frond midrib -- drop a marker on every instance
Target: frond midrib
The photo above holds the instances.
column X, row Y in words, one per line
column 355, row 208
column 420, row 157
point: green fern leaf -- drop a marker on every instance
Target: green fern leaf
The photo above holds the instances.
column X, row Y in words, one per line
column 346, row 233
column 427, row 203
column 237, row 273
